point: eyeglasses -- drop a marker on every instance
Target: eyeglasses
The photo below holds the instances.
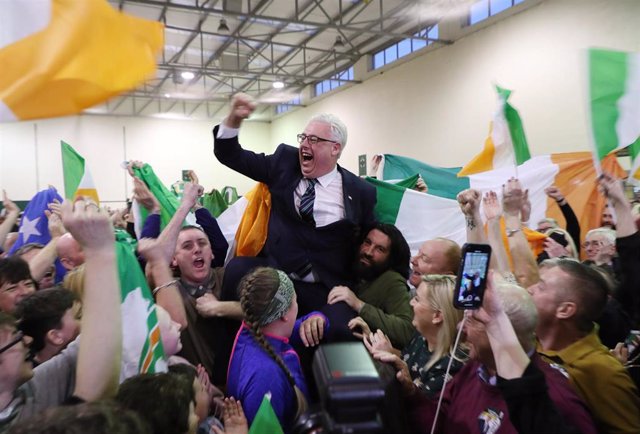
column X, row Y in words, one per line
column 313, row 140
column 19, row 335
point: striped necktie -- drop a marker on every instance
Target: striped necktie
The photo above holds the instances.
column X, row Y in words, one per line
column 306, row 202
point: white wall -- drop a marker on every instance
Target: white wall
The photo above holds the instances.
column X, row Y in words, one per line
column 30, row 152
column 435, row 107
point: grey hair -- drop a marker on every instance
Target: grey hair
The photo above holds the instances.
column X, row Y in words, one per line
column 608, row 233
column 553, row 222
column 519, row 307
column 338, row 128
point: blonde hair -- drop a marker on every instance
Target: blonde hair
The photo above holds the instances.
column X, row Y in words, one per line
column 74, row 281
column 567, row 236
column 440, row 295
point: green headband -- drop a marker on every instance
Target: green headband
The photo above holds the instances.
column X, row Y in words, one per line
column 280, row 302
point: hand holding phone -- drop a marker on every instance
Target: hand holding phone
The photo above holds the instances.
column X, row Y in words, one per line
column 472, row 276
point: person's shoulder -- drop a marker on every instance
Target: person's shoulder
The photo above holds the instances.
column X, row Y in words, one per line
column 393, row 277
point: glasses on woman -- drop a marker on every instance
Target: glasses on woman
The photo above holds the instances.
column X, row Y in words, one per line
column 312, row 140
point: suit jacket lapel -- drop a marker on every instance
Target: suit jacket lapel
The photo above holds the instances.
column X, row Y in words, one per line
column 346, row 194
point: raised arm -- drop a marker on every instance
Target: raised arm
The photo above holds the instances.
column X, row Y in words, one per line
column 100, row 348
column 41, row 263
column 522, row 384
column 242, row 105
column 525, row 267
column 627, row 245
column 11, row 217
column 573, row 225
column 164, row 288
column 469, row 201
column 493, row 213
column 169, row 236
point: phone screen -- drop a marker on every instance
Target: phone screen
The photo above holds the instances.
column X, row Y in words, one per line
column 472, row 276
column 185, row 176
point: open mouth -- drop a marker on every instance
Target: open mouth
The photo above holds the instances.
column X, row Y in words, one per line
column 306, row 156
column 198, row 263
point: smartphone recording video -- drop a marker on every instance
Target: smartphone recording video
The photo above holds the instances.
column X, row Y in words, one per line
column 185, row 176
column 472, row 276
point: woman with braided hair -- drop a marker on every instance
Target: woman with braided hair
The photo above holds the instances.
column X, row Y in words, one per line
column 262, row 359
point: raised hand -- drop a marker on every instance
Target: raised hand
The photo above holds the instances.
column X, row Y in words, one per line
column 554, row 193
column 8, row 204
column 491, row 206
column 469, row 201
column 611, row 187
column 242, row 105
column 191, row 194
column 512, row 197
column 90, row 226
column 143, row 195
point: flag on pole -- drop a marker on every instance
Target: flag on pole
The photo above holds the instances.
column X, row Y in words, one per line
column 142, row 350
column 614, row 93
column 506, row 144
column 266, row 420
column 77, row 177
column 59, row 57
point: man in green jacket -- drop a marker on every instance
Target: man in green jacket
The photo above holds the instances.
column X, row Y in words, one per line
column 381, row 295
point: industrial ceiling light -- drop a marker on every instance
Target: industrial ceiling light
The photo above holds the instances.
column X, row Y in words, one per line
column 278, row 84
column 223, row 28
column 339, row 42
column 187, row 75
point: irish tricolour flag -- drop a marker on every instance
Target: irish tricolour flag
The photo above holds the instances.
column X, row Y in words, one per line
column 506, row 145
column 423, row 216
column 614, row 92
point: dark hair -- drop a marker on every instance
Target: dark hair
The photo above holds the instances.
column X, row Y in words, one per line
column 26, row 248
column 102, row 417
column 14, row 269
column 188, row 371
column 589, row 288
column 256, row 291
column 162, row 400
column 43, row 311
column 399, row 252
column 187, row 227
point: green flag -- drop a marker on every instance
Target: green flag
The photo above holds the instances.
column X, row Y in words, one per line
column 441, row 181
column 214, row 202
column 142, row 350
column 614, row 88
column 169, row 203
column 266, row 420
column 72, row 169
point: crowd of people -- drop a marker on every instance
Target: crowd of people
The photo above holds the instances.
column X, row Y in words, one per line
column 548, row 351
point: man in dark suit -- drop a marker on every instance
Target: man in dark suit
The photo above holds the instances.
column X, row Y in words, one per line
column 318, row 209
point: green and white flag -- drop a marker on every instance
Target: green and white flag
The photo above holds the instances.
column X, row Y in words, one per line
column 169, row 203
column 614, row 93
column 142, row 350
column 265, row 420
